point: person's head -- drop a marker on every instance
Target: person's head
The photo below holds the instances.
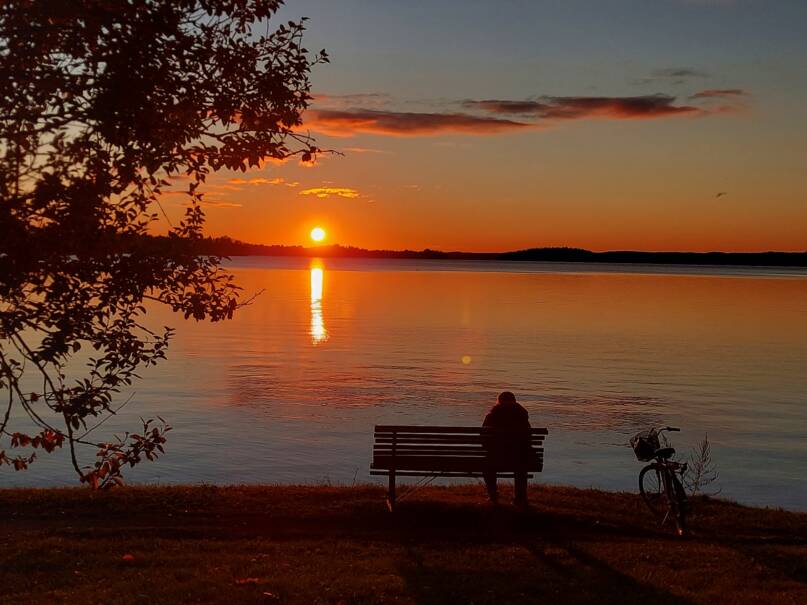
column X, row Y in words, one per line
column 506, row 398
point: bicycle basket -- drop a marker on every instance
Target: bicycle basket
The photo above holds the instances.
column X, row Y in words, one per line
column 645, row 444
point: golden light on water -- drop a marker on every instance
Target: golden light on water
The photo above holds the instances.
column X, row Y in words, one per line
column 318, row 332
column 466, row 359
column 318, row 234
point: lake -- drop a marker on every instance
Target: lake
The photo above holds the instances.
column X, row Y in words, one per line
column 289, row 391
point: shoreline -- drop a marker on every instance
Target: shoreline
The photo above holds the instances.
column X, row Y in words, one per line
column 357, row 263
column 227, row 246
column 298, row 544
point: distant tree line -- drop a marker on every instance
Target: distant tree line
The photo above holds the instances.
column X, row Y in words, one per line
column 227, row 246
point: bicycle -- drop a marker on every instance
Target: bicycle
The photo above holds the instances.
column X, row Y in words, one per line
column 659, row 484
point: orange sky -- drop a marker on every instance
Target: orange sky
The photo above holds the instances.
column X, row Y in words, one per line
column 519, row 134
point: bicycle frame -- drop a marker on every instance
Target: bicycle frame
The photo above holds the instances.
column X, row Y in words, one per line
column 670, row 498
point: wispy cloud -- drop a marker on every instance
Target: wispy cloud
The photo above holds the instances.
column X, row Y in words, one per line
column 672, row 75
column 364, row 150
column 718, row 93
column 326, row 192
column 227, row 188
column 680, row 72
column 263, row 181
column 575, row 108
column 399, row 123
column 220, row 203
column 496, row 116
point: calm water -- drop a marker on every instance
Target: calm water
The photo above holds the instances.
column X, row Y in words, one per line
column 290, row 390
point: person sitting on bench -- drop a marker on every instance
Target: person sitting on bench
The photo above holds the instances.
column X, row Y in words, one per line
column 506, row 451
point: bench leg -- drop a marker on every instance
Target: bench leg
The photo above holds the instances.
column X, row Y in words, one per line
column 391, row 495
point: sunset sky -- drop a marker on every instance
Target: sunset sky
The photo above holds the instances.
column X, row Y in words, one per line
column 484, row 126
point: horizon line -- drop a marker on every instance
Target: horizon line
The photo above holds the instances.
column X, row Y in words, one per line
column 535, row 248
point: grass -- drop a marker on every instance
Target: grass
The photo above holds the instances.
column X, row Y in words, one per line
column 280, row 544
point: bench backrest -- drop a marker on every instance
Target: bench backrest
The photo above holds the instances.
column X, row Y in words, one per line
column 448, row 449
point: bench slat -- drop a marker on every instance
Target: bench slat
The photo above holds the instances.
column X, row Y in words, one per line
column 382, row 428
column 386, row 460
column 444, row 451
column 443, row 439
column 479, row 435
column 438, row 463
column 499, row 474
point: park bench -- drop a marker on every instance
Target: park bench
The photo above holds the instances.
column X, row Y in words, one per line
column 445, row 451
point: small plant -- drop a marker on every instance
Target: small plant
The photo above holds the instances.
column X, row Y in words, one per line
column 701, row 469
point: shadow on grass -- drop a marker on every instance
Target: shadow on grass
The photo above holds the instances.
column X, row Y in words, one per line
column 537, row 572
column 432, row 521
column 788, row 560
column 511, row 556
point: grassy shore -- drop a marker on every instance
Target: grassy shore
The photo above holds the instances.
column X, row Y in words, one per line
column 340, row 545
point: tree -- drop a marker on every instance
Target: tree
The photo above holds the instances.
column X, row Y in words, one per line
column 104, row 103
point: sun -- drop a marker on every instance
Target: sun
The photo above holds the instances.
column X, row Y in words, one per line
column 318, row 234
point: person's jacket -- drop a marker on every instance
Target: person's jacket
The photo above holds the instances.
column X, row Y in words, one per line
column 508, row 448
column 507, row 416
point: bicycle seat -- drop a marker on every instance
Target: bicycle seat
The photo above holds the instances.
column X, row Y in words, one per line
column 664, row 452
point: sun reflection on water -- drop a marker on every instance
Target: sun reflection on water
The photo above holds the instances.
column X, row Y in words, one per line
column 319, row 334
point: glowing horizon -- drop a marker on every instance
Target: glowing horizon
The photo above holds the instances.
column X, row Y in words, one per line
column 541, row 139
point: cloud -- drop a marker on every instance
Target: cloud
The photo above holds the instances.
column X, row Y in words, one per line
column 672, row 75
column 220, row 203
column 225, row 188
column 398, row 123
column 680, row 72
column 264, row 181
column 325, row 192
column 530, row 108
column 256, row 181
column 495, row 116
column 575, row 108
column 364, row 150
column 716, row 93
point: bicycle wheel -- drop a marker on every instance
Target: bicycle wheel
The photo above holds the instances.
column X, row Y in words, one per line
column 651, row 486
column 680, row 506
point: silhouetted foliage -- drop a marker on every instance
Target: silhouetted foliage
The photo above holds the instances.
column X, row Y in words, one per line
column 104, row 103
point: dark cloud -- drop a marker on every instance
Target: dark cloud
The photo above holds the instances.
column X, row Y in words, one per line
column 718, row 93
column 398, row 123
column 527, row 108
column 672, row 75
column 575, row 108
column 505, row 115
column 680, row 72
